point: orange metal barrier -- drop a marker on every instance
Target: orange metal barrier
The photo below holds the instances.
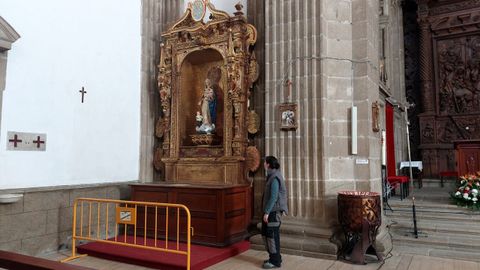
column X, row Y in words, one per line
column 128, row 220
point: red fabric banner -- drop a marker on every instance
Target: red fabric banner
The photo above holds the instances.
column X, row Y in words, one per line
column 390, row 140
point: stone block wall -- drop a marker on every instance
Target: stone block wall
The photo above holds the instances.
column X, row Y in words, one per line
column 41, row 221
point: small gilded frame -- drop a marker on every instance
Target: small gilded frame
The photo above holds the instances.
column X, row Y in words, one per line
column 375, row 116
column 288, row 115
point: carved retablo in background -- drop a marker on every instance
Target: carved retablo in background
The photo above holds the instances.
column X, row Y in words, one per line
column 459, row 74
column 450, row 80
column 206, row 71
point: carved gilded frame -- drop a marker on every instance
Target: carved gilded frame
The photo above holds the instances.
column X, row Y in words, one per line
column 233, row 39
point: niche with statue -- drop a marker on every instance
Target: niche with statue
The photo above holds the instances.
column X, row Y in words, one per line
column 206, row 71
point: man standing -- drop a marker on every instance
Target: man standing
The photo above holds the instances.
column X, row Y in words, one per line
column 274, row 205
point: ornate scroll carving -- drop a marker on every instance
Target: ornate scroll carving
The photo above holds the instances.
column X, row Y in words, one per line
column 428, row 133
column 253, row 122
column 164, row 86
column 157, row 159
column 462, row 5
column 449, row 24
column 253, row 158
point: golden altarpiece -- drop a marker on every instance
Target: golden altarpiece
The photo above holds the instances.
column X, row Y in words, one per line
column 206, row 71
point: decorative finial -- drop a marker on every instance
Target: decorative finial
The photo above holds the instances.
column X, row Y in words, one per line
column 239, row 8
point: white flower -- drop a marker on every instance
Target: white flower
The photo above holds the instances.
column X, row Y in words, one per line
column 474, row 199
column 457, row 193
column 465, row 195
column 469, row 198
column 475, row 191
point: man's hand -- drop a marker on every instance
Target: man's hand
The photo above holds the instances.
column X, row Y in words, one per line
column 265, row 218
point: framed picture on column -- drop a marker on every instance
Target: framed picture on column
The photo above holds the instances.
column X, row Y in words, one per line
column 288, row 115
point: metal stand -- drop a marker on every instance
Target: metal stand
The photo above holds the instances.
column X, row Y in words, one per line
column 415, row 230
column 364, row 245
column 410, row 186
column 386, row 189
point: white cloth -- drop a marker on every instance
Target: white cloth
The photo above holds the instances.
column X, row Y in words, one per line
column 415, row 164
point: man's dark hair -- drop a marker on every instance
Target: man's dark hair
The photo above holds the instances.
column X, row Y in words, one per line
column 272, row 162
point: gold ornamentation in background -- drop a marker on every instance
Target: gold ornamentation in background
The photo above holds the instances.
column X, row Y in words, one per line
column 253, row 122
column 253, row 158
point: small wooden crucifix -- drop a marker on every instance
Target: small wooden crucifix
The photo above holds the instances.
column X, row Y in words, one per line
column 83, row 92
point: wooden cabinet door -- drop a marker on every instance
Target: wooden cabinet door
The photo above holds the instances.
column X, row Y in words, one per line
column 468, row 159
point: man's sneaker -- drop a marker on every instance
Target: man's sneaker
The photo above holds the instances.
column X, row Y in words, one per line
column 269, row 265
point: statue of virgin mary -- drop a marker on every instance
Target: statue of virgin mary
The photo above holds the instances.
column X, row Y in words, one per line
column 208, row 105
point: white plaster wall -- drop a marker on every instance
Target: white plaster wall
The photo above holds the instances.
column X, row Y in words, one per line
column 65, row 45
column 225, row 5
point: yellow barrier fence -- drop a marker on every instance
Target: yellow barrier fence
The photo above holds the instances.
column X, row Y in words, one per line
column 145, row 225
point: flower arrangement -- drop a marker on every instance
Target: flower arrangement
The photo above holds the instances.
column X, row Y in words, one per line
column 467, row 193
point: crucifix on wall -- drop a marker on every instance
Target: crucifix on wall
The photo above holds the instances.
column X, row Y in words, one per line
column 83, row 92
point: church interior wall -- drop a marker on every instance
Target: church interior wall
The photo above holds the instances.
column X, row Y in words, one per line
column 66, row 46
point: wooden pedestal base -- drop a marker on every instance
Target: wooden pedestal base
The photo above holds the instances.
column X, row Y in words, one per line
column 220, row 214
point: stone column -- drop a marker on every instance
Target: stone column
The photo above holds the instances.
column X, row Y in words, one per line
column 293, row 46
column 329, row 50
column 426, row 63
column 157, row 15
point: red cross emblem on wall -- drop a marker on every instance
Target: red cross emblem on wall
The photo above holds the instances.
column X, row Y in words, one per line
column 38, row 142
column 15, row 140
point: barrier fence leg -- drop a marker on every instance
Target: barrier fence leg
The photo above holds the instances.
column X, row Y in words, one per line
column 74, row 235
